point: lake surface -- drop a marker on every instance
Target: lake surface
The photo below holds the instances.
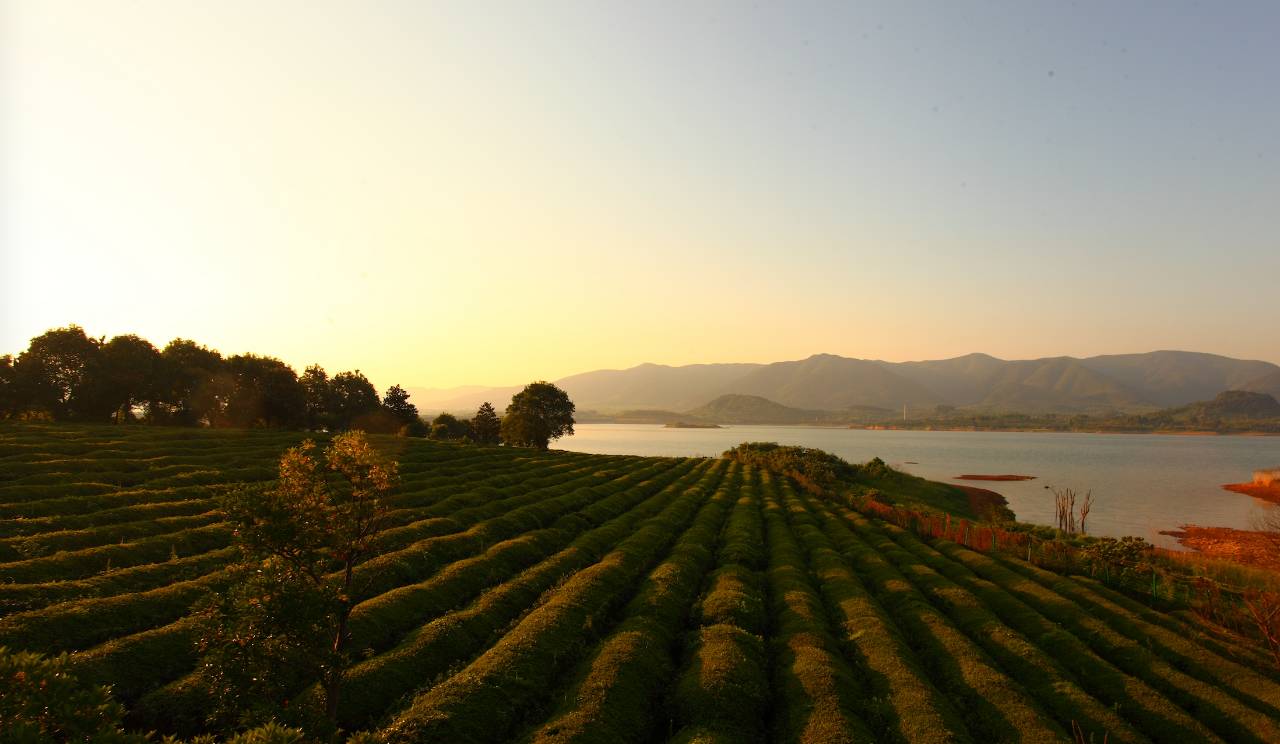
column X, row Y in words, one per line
column 1142, row 483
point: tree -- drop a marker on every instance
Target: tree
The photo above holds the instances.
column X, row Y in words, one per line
column 59, row 373
column 396, row 402
column 9, row 400
column 41, row 700
column 354, row 400
column 284, row 625
column 186, row 391
column 537, row 415
column 130, row 374
column 318, row 395
column 447, row 427
column 486, row 427
column 265, row 392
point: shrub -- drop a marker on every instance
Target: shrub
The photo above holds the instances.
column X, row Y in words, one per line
column 42, row 701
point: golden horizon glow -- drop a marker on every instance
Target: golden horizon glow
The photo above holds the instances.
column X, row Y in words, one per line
column 490, row 194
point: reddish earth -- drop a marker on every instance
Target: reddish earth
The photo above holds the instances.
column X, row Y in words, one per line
column 995, row 477
column 1242, row 546
column 1269, row 492
column 984, row 503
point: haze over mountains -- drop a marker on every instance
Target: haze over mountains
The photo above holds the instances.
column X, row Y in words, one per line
column 826, row 382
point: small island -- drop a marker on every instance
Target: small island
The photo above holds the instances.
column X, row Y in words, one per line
column 1005, row 477
column 690, row 425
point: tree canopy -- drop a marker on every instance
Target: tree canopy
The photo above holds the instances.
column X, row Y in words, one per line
column 67, row 375
column 284, row 626
column 486, row 426
column 538, row 415
column 448, row 427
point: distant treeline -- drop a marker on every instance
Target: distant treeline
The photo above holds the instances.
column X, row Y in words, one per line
column 1232, row 411
column 67, row 375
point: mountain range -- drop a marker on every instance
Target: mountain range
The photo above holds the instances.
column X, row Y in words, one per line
column 1130, row 383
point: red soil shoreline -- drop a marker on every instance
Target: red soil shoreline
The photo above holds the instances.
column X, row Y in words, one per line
column 1269, row 493
column 1242, row 546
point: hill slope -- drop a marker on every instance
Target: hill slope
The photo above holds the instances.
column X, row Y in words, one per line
column 1175, row 378
column 1269, row 384
column 1229, row 405
column 829, row 382
column 524, row 596
column 752, row 409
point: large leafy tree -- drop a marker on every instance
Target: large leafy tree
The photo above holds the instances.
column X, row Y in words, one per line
column 284, row 626
column 9, row 398
column 186, row 391
column 60, row 373
column 319, row 398
column 396, row 402
column 130, row 374
column 486, row 427
column 265, row 392
column 537, row 415
column 355, row 400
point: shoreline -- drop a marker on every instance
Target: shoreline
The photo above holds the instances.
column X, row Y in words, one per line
column 968, row 429
column 1247, row 547
column 1266, row 493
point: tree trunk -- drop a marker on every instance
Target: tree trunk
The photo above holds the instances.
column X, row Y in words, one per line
column 333, row 678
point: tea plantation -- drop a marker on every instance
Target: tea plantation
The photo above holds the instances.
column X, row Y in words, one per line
column 557, row 597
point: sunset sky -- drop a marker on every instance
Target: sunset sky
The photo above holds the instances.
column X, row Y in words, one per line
column 451, row 193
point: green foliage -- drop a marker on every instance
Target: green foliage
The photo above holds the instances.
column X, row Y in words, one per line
column 9, row 398
column 286, row 623
column 129, row 375
column 812, row 467
column 41, row 700
column 448, row 428
column 318, row 396
column 1130, row 550
column 486, row 426
column 187, row 384
column 60, row 373
column 268, row 635
column 353, row 400
column 538, row 415
column 405, row 414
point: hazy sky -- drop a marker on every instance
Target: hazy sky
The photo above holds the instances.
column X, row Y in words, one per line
column 475, row 192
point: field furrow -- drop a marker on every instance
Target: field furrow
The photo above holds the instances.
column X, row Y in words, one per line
column 721, row 693
column 517, row 595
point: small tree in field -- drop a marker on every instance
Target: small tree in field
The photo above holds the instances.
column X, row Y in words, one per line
column 537, row 415
column 486, row 427
column 284, row 625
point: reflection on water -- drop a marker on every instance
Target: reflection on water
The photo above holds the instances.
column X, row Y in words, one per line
column 1142, row 483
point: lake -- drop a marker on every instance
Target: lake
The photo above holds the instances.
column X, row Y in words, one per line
column 1142, row 483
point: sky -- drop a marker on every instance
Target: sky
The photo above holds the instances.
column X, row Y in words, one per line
column 443, row 194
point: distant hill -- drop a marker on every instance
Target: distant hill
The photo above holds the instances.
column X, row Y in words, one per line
column 1269, row 384
column 1175, row 378
column 831, row 383
column 1102, row 385
column 652, row 386
column 752, row 409
column 1228, row 405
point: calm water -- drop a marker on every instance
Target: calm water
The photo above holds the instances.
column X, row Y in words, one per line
column 1142, row 483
